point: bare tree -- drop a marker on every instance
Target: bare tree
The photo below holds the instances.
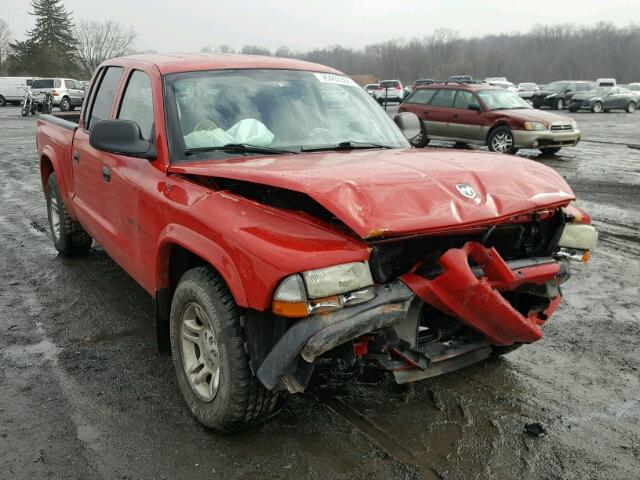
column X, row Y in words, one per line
column 6, row 38
column 99, row 41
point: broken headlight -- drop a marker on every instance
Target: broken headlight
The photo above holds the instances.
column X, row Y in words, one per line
column 323, row 290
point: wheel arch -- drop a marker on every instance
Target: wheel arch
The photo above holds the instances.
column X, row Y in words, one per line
column 503, row 122
column 180, row 250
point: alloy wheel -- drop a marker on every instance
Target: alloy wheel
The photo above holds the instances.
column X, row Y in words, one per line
column 200, row 352
column 502, row 142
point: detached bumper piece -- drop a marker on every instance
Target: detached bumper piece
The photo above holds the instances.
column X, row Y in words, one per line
column 478, row 302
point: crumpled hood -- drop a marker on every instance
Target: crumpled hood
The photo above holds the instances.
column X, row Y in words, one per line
column 393, row 192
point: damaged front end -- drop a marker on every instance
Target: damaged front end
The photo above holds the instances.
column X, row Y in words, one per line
column 424, row 306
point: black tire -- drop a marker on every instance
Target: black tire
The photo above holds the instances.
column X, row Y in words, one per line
column 72, row 108
column 573, row 110
column 498, row 140
column 3, row 101
column 421, row 140
column 68, row 237
column 240, row 399
column 631, row 107
column 559, row 104
column 65, row 104
column 596, row 107
column 550, row 150
column 24, row 111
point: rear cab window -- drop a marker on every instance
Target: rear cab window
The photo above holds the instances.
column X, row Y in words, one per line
column 102, row 101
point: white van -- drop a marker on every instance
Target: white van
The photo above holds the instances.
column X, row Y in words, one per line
column 12, row 89
column 606, row 82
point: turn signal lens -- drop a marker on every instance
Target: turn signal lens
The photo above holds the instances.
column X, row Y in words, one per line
column 293, row 310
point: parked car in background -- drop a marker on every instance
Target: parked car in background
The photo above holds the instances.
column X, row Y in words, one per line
column 527, row 90
column 460, row 79
column 389, row 91
column 506, row 85
column 487, row 115
column 558, row 94
column 370, row 88
column 603, row 99
column 635, row 89
column 67, row 93
column 12, row 89
column 606, row 82
column 271, row 236
column 421, row 82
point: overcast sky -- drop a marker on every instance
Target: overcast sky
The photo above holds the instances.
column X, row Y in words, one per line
column 189, row 25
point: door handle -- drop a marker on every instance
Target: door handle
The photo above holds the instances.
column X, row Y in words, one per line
column 106, row 174
column 76, row 156
column 455, row 115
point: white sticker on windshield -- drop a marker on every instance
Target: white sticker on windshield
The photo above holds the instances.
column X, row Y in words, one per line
column 335, row 79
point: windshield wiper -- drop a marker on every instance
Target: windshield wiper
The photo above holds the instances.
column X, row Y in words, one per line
column 348, row 145
column 239, row 148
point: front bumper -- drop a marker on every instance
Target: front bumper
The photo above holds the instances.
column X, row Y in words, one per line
column 545, row 138
column 470, row 294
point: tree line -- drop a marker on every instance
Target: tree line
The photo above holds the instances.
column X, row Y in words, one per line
column 543, row 54
column 59, row 46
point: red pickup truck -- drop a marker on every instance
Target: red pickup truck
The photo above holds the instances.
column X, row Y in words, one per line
column 276, row 215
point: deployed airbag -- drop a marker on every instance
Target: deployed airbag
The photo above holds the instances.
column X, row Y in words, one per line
column 249, row 131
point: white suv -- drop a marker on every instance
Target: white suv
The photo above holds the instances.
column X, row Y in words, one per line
column 67, row 94
column 389, row 90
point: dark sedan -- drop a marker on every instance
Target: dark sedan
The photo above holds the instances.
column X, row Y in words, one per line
column 604, row 99
column 558, row 94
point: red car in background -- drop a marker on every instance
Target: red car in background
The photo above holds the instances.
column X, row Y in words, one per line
column 487, row 115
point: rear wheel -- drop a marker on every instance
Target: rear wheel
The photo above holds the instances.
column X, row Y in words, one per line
column 596, row 107
column 550, row 150
column 3, row 101
column 560, row 104
column 631, row 107
column 65, row 104
column 211, row 364
column 501, row 140
column 68, row 236
column 421, row 140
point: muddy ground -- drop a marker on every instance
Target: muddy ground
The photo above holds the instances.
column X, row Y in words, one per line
column 84, row 394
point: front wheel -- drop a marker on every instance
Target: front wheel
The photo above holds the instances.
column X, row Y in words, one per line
column 68, row 236
column 421, row 140
column 550, row 150
column 209, row 357
column 25, row 109
column 596, row 107
column 501, row 141
column 631, row 107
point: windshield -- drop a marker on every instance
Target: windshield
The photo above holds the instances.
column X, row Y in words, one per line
column 599, row 91
column 527, row 86
column 281, row 109
column 501, row 100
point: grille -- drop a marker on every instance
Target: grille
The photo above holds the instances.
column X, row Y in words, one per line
column 561, row 128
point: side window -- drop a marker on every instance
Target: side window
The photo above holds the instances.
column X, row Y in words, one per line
column 103, row 98
column 444, row 98
column 137, row 103
column 29, row 82
column 463, row 99
column 422, row 96
column 57, row 83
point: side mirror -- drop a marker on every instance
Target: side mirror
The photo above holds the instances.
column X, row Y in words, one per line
column 475, row 107
column 408, row 123
column 122, row 137
column 568, row 90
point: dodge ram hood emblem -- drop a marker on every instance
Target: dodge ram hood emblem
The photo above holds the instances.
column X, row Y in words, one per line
column 466, row 190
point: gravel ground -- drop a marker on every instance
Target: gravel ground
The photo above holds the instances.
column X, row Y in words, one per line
column 84, row 394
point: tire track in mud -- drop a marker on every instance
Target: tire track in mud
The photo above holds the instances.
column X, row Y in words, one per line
column 375, row 434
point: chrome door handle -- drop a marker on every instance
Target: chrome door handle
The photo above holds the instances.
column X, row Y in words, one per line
column 76, row 156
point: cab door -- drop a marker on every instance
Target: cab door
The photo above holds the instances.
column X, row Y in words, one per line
column 87, row 162
column 466, row 124
column 133, row 184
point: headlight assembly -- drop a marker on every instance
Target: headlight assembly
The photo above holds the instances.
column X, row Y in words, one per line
column 535, row 126
column 323, row 290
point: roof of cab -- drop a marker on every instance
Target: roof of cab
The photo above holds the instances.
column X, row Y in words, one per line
column 189, row 62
